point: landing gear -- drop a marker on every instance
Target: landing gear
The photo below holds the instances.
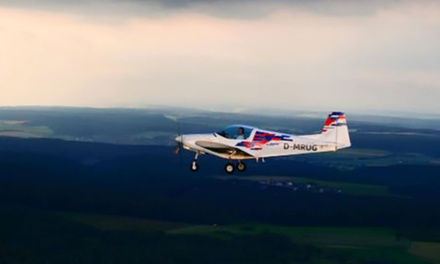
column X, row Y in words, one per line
column 194, row 165
column 241, row 166
column 229, row 168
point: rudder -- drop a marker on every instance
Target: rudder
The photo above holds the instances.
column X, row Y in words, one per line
column 335, row 130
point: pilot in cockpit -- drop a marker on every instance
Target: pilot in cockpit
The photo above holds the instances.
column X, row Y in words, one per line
column 240, row 133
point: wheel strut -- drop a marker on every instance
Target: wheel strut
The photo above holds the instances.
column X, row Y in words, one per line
column 241, row 166
column 194, row 164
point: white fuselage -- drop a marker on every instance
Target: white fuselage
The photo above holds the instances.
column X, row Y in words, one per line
column 239, row 142
column 273, row 144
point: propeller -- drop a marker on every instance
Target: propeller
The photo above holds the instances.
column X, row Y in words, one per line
column 179, row 141
column 179, row 145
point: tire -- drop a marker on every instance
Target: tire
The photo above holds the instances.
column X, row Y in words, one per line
column 241, row 166
column 229, row 168
column 194, row 166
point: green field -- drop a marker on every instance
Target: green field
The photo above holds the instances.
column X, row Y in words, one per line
column 348, row 188
column 357, row 244
column 363, row 243
column 18, row 128
column 337, row 237
column 108, row 222
column 427, row 250
column 351, row 158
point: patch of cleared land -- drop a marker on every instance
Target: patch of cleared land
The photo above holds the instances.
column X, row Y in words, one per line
column 19, row 128
column 426, row 250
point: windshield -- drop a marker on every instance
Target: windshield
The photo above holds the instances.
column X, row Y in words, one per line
column 236, row 132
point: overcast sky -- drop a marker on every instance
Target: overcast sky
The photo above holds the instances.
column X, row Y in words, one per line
column 315, row 54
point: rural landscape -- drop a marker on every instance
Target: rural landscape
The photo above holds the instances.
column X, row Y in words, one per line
column 219, row 132
column 88, row 185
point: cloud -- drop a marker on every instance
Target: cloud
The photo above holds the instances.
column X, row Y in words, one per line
column 292, row 57
column 238, row 9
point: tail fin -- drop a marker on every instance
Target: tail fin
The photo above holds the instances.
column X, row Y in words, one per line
column 336, row 130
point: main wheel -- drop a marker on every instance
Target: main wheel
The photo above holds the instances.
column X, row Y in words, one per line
column 241, row 166
column 194, row 166
column 229, row 168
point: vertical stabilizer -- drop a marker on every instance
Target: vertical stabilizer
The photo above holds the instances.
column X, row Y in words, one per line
column 336, row 131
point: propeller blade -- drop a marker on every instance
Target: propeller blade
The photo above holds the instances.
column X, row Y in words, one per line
column 179, row 141
column 177, row 149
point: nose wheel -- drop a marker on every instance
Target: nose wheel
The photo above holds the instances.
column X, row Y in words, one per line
column 194, row 166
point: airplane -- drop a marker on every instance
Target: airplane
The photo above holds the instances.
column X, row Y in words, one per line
column 241, row 142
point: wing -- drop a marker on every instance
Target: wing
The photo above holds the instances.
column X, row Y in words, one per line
column 224, row 151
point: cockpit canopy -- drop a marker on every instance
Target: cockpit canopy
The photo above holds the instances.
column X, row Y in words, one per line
column 236, row 132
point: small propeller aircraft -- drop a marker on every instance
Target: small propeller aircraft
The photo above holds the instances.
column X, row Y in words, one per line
column 240, row 142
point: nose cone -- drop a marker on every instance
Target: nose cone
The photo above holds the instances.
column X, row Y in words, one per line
column 178, row 139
